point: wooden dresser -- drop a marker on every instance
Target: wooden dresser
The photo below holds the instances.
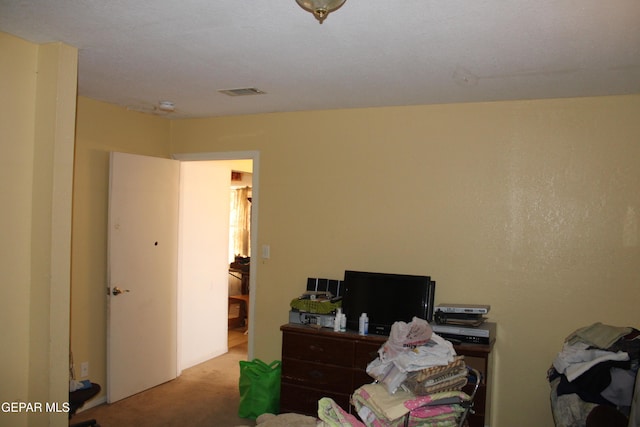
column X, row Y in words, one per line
column 320, row 363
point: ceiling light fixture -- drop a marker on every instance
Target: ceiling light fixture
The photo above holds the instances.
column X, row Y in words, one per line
column 320, row 8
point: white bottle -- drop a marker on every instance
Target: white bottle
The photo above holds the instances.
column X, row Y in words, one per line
column 343, row 323
column 363, row 324
column 336, row 320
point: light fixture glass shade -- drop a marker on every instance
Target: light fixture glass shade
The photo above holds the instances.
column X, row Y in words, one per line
column 320, row 8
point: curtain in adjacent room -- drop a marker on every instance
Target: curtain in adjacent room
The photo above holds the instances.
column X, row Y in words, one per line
column 240, row 222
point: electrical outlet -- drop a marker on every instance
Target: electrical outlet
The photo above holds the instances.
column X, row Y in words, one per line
column 84, row 369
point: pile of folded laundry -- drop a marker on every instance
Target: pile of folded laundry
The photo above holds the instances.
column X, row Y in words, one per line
column 377, row 408
column 417, row 373
column 597, row 366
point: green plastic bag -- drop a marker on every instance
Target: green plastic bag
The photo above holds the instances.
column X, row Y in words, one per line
column 259, row 388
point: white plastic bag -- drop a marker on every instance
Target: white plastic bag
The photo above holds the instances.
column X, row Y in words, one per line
column 405, row 336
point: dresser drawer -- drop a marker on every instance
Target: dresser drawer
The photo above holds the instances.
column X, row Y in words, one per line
column 317, row 375
column 318, row 349
column 304, row 400
column 365, row 353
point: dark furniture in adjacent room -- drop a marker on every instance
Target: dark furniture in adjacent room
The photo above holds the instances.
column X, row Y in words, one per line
column 240, row 269
column 243, row 312
column 239, row 302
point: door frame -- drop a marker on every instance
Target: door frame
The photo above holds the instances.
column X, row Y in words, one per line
column 255, row 203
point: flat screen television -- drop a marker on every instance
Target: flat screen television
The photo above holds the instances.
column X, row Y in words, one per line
column 386, row 298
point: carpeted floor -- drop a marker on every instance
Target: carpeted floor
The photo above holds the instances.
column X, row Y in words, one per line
column 205, row 395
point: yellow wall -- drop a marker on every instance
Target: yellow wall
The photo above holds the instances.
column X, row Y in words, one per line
column 18, row 61
column 531, row 207
column 37, row 119
column 101, row 128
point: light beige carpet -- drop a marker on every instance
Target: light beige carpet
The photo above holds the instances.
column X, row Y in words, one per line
column 204, row 395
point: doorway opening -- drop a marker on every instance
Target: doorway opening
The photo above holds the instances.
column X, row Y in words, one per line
column 253, row 160
column 240, row 249
column 202, row 307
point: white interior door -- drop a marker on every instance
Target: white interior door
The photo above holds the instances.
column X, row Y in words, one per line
column 143, row 247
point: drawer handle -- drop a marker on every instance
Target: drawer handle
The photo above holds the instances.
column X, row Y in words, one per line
column 315, row 348
column 315, row 374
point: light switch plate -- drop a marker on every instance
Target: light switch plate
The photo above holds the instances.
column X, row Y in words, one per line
column 266, row 251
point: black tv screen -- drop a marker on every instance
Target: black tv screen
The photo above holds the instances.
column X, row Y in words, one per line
column 386, row 298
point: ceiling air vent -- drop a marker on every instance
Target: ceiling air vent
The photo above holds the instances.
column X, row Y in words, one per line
column 242, row 91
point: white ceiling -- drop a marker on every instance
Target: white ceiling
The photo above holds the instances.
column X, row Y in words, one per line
column 369, row 53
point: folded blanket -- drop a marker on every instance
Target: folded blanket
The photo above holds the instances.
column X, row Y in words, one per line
column 371, row 420
column 598, row 335
column 376, row 397
column 285, row 420
column 436, row 404
column 378, row 408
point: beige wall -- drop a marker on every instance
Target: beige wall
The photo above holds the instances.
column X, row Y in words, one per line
column 37, row 119
column 529, row 206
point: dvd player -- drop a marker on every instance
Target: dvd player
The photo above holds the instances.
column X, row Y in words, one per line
column 304, row 318
column 483, row 334
column 464, row 308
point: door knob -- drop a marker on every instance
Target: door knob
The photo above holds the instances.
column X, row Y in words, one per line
column 118, row 291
